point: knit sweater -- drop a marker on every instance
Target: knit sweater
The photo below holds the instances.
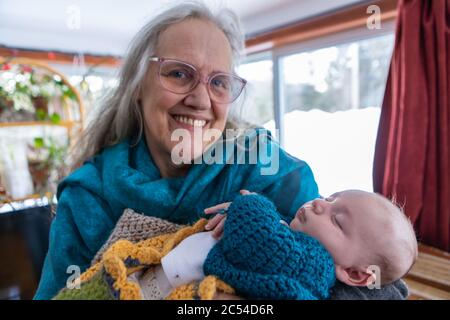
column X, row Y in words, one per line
column 261, row 258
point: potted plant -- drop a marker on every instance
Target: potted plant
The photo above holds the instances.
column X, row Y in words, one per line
column 46, row 163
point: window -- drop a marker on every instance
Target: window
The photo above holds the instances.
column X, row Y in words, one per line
column 330, row 93
column 332, row 98
column 259, row 93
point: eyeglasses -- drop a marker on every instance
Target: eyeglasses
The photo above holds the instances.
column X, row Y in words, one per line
column 181, row 77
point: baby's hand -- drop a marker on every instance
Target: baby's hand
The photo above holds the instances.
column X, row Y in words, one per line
column 216, row 224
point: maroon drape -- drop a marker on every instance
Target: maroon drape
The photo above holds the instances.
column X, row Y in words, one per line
column 412, row 156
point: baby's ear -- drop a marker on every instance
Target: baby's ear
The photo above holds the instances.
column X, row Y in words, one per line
column 354, row 276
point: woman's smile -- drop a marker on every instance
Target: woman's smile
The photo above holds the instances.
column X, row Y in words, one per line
column 188, row 122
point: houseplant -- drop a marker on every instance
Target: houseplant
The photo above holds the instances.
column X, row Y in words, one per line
column 46, row 163
column 32, row 89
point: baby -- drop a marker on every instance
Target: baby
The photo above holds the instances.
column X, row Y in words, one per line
column 340, row 237
column 360, row 229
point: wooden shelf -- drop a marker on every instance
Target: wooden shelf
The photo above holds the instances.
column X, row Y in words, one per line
column 71, row 116
column 67, row 124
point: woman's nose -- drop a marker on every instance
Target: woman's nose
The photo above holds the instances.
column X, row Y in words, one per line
column 199, row 98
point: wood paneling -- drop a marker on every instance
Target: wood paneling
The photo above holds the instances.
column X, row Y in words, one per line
column 429, row 278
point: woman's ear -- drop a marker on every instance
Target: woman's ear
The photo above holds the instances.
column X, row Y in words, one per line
column 354, row 277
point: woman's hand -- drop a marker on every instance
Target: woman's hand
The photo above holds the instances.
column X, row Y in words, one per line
column 216, row 224
column 246, row 192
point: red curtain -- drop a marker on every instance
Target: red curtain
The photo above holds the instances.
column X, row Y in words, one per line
column 412, row 155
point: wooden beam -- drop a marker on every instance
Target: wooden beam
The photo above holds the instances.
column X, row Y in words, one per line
column 327, row 24
column 59, row 57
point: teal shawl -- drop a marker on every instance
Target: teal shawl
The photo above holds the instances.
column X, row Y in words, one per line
column 92, row 198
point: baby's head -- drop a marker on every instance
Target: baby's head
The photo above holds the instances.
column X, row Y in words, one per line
column 360, row 229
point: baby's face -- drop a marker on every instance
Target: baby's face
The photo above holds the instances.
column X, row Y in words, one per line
column 340, row 222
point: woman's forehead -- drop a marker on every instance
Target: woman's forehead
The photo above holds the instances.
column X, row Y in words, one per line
column 197, row 42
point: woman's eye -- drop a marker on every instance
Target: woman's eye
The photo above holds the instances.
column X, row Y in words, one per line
column 178, row 74
column 219, row 83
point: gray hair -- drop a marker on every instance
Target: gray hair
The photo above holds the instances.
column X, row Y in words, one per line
column 120, row 116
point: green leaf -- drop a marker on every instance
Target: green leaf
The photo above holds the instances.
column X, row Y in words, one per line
column 41, row 115
column 39, row 142
column 67, row 92
column 55, row 118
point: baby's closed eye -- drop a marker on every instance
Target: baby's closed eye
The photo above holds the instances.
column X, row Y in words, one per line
column 336, row 221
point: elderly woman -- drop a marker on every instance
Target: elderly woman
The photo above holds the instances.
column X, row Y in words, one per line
column 178, row 74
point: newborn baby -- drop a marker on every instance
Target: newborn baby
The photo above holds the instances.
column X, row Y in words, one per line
column 340, row 237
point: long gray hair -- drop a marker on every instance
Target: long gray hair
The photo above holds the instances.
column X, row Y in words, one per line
column 120, row 116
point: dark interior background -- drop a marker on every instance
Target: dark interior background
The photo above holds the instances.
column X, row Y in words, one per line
column 24, row 242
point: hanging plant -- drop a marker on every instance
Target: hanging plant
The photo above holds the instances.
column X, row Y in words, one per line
column 32, row 89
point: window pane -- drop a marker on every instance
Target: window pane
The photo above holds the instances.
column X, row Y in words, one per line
column 332, row 105
column 259, row 92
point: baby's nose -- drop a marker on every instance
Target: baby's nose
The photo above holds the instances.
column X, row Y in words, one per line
column 318, row 206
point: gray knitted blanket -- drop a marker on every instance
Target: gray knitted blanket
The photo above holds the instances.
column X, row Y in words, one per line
column 135, row 227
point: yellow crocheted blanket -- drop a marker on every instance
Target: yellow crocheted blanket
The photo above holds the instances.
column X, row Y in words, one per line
column 123, row 258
